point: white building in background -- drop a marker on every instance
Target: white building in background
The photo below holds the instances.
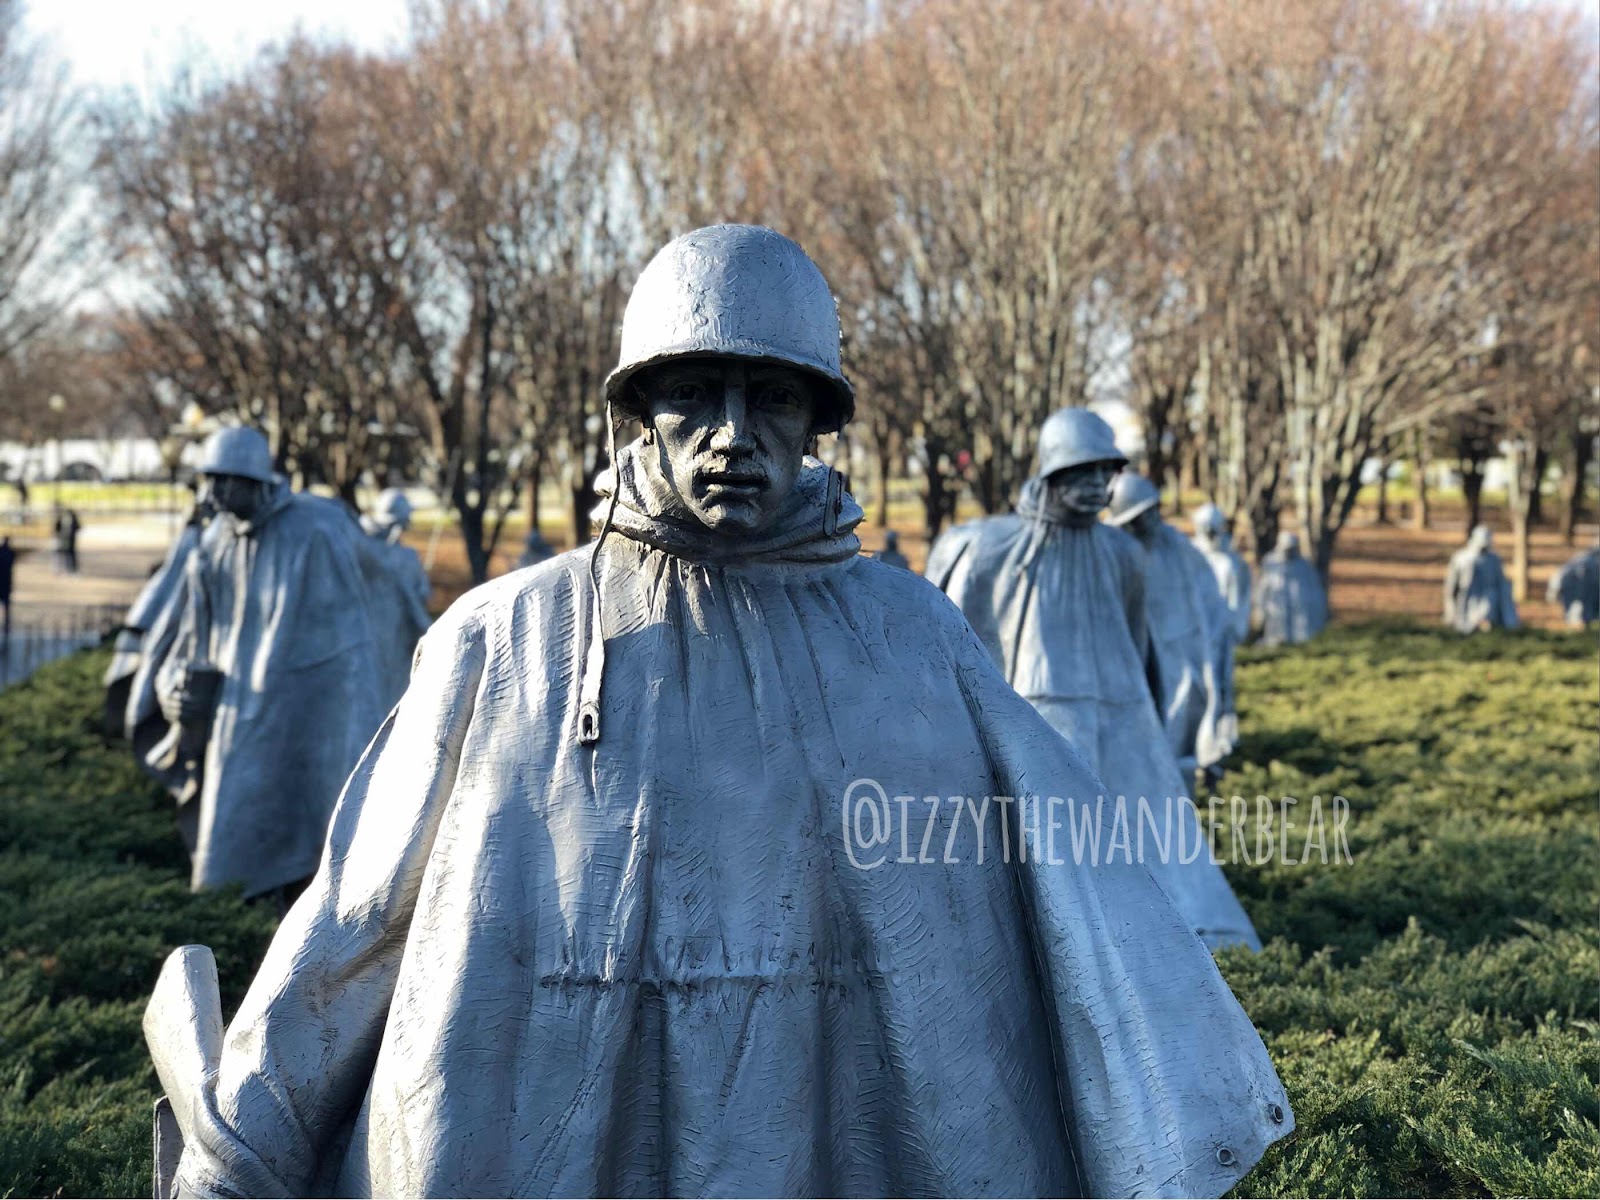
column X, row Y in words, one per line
column 103, row 458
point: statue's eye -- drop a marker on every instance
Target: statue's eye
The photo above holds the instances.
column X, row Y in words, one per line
column 778, row 395
column 686, row 393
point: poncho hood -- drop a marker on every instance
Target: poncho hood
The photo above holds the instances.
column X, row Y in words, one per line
column 816, row 525
column 1036, row 504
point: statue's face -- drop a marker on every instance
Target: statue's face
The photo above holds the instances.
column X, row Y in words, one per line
column 1084, row 489
column 235, row 494
column 730, row 436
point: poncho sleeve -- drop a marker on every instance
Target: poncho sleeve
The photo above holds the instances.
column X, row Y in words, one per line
column 948, row 550
column 1165, row 1087
column 299, row 1054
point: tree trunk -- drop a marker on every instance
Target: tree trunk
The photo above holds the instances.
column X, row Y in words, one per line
column 470, row 517
column 1541, row 464
column 535, row 478
column 1472, row 489
column 885, row 464
column 1383, row 483
column 1423, row 517
column 1572, row 483
column 1520, row 485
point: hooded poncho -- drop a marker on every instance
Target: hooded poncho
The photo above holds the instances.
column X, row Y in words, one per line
column 1575, row 589
column 289, row 631
column 1290, row 599
column 146, row 611
column 397, row 607
column 1061, row 608
column 1232, row 574
column 649, row 966
column 1477, row 594
column 1192, row 632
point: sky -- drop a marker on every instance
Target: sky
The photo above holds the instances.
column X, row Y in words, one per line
column 134, row 43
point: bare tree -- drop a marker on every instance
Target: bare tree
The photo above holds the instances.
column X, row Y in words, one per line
column 261, row 210
column 44, row 241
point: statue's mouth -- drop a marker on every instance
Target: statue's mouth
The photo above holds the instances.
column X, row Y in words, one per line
column 733, row 483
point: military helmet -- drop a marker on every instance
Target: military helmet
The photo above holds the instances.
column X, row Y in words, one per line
column 1208, row 520
column 739, row 290
column 237, row 451
column 1075, row 437
column 392, row 507
column 1131, row 495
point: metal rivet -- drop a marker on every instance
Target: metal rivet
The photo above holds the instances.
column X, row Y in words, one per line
column 1225, row 1157
column 1277, row 1114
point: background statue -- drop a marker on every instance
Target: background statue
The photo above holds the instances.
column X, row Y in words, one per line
column 1477, row 594
column 263, row 665
column 146, row 610
column 1059, row 600
column 1575, row 589
column 1289, row 595
column 588, row 924
column 397, row 592
column 1228, row 566
column 1190, row 626
column 891, row 551
column 534, row 549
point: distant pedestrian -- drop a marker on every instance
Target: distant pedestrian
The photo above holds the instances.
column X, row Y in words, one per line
column 66, row 531
column 8, row 559
column 74, row 527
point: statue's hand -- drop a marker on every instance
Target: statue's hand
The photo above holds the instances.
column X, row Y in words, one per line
column 190, row 696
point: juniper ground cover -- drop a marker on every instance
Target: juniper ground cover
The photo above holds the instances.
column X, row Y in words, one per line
column 1431, row 1005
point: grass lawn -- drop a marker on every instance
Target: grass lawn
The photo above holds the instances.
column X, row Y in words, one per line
column 1432, row 1006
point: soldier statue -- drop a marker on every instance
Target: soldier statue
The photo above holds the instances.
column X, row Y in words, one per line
column 1477, row 594
column 397, row 592
column 1190, row 626
column 1059, row 599
column 262, row 665
column 589, row 922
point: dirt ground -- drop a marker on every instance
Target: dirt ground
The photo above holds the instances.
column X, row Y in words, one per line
column 1379, row 570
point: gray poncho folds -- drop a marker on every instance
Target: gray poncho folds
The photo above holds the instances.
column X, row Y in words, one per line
column 289, row 630
column 1192, row 631
column 397, row 607
column 1232, row 574
column 142, row 617
column 1575, row 589
column 1477, row 594
column 1289, row 596
column 1061, row 608
column 648, row 966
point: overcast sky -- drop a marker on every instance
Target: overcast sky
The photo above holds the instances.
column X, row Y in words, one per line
column 116, row 43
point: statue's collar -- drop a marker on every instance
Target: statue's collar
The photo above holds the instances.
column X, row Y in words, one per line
column 817, row 525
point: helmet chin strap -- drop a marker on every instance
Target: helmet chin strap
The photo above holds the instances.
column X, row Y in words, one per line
column 594, row 658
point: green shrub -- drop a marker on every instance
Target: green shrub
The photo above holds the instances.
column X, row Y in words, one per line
column 93, row 896
column 1431, row 1006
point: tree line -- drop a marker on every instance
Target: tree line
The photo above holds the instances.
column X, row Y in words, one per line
column 1294, row 239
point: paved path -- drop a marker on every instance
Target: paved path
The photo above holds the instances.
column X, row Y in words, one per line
column 54, row 613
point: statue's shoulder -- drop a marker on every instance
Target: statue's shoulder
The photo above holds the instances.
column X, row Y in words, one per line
column 307, row 518
column 554, row 579
column 982, row 533
column 1118, row 541
column 914, row 601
